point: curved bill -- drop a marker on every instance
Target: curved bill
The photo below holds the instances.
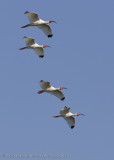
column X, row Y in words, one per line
column 64, row 88
column 55, row 22
column 48, row 46
column 82, row 114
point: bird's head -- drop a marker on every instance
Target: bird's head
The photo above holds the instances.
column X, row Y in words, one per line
column 79, row 114
column 50, row 21
column 62, row 88
column 44, row 46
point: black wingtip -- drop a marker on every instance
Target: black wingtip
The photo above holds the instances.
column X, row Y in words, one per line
column 49, row 36
column 41, row 81
column 62, row 98
column 41, row 56
column 24, row 37
column 26, row 12
column 72, row 127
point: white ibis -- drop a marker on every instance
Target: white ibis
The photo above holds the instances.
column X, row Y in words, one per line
column 68, row 116
column 46, row 86
column 36, row 21
column 31, row 44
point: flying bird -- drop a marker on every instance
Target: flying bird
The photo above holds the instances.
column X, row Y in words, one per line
column 36, row 21
column 46, row 86
column 31, row 44
column 68, row 116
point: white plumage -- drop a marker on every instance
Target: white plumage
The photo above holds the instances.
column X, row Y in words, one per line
column 68, row 116
column 36, row 21
column 46, row 86
column 31, row 44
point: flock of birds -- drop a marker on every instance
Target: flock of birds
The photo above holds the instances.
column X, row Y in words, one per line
column 45, row 85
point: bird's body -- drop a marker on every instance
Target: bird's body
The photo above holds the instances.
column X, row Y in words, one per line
column 31, row 44
column 68, row 116
column 46, row 86
column 36, row 21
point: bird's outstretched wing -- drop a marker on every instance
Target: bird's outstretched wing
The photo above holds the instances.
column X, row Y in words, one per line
column 46, row 29
column 65, row 110
column 39, row 51
column 32, row 16
column 70, row 121
column 58, row 94
column 45, row 84
column 29, row 41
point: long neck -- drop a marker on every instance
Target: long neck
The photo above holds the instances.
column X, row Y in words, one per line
column 46, row 22
column 58, row 88
column 75, row 114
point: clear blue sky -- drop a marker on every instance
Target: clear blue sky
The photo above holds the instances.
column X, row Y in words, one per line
column 81, row 58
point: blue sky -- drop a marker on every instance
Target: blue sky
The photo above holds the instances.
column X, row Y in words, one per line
column 81, row 58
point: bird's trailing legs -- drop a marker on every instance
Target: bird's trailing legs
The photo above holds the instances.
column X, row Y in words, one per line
column 22, row 48
column 25, row 26
column 56, row 116
column 41, row 91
